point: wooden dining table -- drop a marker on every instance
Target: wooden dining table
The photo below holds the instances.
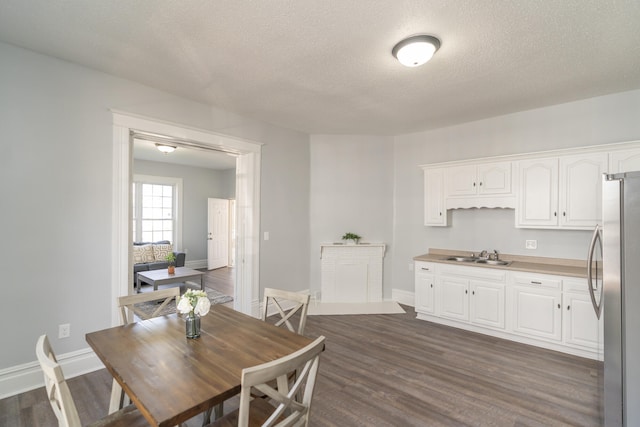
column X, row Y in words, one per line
column 171, row 378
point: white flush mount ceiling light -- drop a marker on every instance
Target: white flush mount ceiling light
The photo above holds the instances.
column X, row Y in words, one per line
column 416, row 50
column 165, row 148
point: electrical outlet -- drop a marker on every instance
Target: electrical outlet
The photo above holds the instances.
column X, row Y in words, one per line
column 64, row 330
column 531, row 244
column 266, row 235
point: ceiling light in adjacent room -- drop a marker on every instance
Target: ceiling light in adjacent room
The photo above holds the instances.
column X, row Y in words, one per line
column 416, row 50
column 166, row 148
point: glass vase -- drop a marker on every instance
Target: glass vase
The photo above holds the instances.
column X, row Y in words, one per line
column 192, row 325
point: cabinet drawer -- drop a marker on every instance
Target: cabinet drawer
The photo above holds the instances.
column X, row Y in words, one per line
column 575, row 285
column 424, row 267
column 495, row 275
column 548, row 282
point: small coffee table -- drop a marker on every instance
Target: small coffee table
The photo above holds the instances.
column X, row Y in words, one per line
column 162, row 276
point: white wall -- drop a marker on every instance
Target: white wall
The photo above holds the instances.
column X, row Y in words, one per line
column 351, row 191
column 198, row 184
column 601, row 120
column 55, row 185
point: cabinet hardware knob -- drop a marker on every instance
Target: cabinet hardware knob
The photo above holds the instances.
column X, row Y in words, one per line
column 555, row 214
column 481, row 183
column 440, row 213
column 425, row 268
column 473, row 292
column 568, row 307
column 533, row 282
column 558, row 305
column 564, row 214
column 432, row 285
column 474, row 184
column 466, row 291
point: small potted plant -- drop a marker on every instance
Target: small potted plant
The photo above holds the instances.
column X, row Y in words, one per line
column 171, row 259
column 351, row 236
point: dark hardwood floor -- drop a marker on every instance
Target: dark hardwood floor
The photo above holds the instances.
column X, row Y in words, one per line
column 395, row 370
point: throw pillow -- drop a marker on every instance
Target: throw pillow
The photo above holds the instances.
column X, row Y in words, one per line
column 161, row 251
column 143, row 253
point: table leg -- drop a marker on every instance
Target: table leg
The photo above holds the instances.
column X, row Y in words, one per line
column 137, row 284
column 201, row 282
column 155, row 285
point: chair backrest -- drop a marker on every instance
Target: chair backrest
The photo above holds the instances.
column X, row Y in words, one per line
column 58, row 392
column 275, row 297
column 128, row 303
column 293, row 400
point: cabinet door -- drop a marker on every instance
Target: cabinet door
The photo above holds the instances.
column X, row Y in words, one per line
column 537, row 312
column 494, row 178
column 486, row 304
column 580, row 324
column 435, row 214
column 538, row 193
column 581, row 190
column 425, row 292
column 454, row 298
column 462, row 181
column 624, row 161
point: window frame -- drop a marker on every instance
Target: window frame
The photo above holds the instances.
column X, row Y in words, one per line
column 176, row 183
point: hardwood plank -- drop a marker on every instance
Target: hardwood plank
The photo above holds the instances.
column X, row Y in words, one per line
column 395, row 370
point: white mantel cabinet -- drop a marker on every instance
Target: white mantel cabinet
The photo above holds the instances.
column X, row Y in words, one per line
column 351, row 273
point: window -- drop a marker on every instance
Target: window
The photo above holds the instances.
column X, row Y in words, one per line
column 156, row 209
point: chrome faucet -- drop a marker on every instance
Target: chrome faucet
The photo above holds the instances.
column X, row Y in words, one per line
column 483, row 254
column 494, row 255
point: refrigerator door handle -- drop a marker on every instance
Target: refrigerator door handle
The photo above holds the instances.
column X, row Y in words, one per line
column 597, row 237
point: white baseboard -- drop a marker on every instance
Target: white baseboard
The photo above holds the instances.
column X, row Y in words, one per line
column 403, row 297
column 18, row 379
column 196, row 263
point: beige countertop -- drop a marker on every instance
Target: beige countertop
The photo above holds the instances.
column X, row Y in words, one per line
column 539, row 265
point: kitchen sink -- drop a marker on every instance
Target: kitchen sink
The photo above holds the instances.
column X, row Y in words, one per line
column 492, row 262
column 461, row 259
column 476, row 260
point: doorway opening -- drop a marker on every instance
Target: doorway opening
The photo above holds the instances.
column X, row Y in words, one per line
column 247, row 200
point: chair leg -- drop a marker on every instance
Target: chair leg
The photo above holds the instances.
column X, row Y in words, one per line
column 119, row 398
column 218, row 411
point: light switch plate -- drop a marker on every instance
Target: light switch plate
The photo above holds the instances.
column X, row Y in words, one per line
column 531, row 244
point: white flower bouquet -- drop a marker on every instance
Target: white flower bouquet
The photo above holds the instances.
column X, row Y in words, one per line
column 194, row 302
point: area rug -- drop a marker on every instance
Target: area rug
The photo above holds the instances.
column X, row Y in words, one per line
column 149, row 307
column 329, row 308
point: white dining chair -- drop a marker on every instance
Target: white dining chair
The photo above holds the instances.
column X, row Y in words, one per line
column 281, row 301
column 288, row 404
column 128, row 311
column 62, row 402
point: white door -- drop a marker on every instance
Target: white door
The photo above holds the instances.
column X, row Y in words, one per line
column 454, row 298
column 581, row 190
column 435, row 214
column 218, row 234
column 486, row 306
column 538, row 193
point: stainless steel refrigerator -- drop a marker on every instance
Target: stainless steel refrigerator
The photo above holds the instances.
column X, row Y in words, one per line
column 619, row 299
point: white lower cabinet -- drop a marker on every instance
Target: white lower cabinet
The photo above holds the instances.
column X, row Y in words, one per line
column 544, row 310
column 537, row 312
column 581, row 327
column 425, row 296
column 454, row 297
column 487, row 304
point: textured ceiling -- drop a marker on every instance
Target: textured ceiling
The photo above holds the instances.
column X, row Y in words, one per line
column 326, row 66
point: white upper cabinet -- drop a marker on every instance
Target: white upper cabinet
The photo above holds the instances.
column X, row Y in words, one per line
column 581, row 190
column 537, row 193
column 435, row 213
column 624, row 161
column 562, row 192
column 479, row 180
